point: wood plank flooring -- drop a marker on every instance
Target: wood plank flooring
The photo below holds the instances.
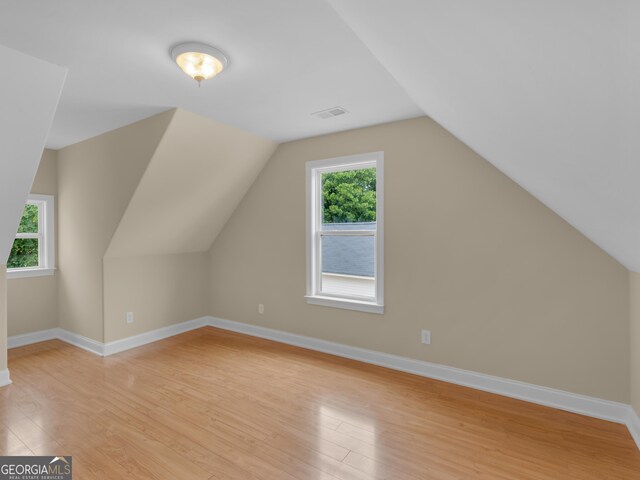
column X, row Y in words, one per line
column 211, row 404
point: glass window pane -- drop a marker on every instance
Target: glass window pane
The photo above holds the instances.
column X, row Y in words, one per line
column 349, row 197
column 24, row 253
column 29, row 221
column 348, row 265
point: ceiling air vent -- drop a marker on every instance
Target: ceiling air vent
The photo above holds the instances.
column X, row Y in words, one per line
column 330, row 112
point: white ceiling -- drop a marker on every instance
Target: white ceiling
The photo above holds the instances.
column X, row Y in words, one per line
column 546, row 90
column 28, row 98
column 288, row 59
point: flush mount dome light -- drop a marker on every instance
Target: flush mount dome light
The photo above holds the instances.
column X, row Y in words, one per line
column 199, row 61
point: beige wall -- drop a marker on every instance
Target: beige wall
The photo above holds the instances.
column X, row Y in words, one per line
column 187, row 193
column 198, row 175
column 159, row 290
column 145, row 192
column 46, row 181
column 3, row 317
column 634, row 280
column 504, row 284
column 96, row 179
column 32, row 303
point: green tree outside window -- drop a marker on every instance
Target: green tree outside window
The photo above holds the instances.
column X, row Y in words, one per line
column 349, row 196
column 24, row 252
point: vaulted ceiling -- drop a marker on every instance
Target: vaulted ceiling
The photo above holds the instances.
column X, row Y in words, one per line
column 29, row 94
column 545, row 90
column 189, row 188
column 288, row 59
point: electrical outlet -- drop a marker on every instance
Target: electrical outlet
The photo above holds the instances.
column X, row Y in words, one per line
column 426, row 337
column 129, row 317
column 260, row 308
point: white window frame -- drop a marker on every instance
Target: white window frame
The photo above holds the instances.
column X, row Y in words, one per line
column 314, row 171
column 45, row 236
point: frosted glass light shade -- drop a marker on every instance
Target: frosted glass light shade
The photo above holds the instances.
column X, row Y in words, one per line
column 199, row 61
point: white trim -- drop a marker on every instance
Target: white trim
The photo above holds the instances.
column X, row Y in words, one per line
column 313, row 220
column 380, row 229
column 46, row 239
column 71, row 338
column 30, row 272
column 633, row 424
column 153, row 336
column 343, row 275
column 110, row 348
column 35, row 337
column 5, row 378
column 572, row 402
column 82, row 342
column 49, row 220
column 347, row 304
column 347, row 233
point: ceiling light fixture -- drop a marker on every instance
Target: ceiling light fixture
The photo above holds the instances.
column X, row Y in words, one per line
column 199, row 61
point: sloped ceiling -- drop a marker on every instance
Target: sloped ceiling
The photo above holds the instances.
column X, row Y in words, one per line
column 108, row 169
column 197, row 176
column 545, row 90
column 288, row 59
column 29, row 94
column 548, row 91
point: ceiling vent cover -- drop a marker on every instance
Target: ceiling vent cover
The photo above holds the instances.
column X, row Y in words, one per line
column 330, row 112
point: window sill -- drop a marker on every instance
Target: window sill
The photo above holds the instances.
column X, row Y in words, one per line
column 30, row 272
column 368, row 307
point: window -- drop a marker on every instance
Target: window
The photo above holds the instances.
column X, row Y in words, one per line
column 33, row 251
column 345, row 240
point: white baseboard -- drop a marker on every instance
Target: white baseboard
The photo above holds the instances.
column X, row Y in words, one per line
column 153, row 336
column 5, row 379
column 80, row 341
column 571, row 402
column 110, row 348
column 29, row 338
column 550, row 397
column 633, row 424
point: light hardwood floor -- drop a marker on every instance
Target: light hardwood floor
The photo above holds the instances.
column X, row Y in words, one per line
column 210, row 404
